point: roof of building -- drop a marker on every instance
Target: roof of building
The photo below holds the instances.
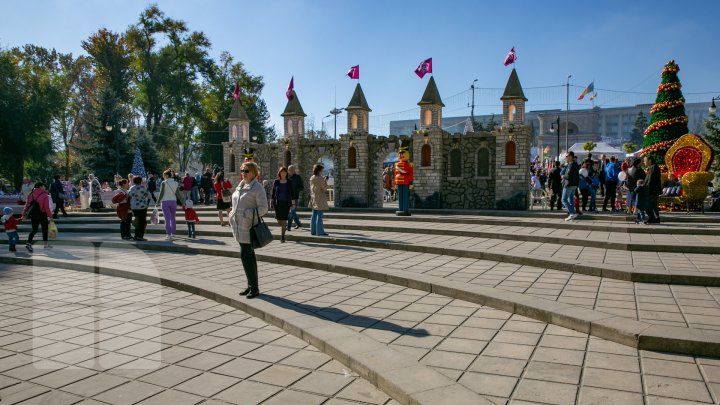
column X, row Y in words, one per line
column 237, row 113
column 293, row 106
column 431, row 95
column 513, row 89
column 358, row 100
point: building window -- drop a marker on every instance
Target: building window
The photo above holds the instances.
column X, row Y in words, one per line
column 288, row 158
column 353, row 121
column 232, row 162
column 455, row 163
column 290, row 127
column 483, row 162
column 233, row 132
column 352, row 158
column 365, row 120
column 511, row 112
column 428, row 118
column 426, row 156
column 510, row 148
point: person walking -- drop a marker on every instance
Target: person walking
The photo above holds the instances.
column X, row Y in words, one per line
column 187, row 184
column 57, row 193
column 296, row 187
column 139, row 202
column 191, row 217
column 152, row 186
column 601, row 173
column 195, row 190
column 642, row 198
column 206, row 183
column 584, row 185
column 249, row 204
column 634, row 174
column 223, row 205
column 571, row 179
column 96, row 203
column 318, row 197
column 25, row 189
column 168, row 199
column 10, row 224
column 122, row 200
column 611, row 181
column 655, row 189
column 37, row 208
column 555, row 185
column 282, row 200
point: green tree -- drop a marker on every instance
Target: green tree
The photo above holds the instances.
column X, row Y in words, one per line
column 641, row 123
column 29, row 101
column 667, row 116
column 491, row 124
column 217, row 102
column 711, row 134
column 630, row 147
column 104, row 152
column 589, row 146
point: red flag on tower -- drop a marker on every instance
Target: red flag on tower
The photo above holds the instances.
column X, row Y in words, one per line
column 236, row 92
column 424, row 67
column 511, row 57
column 291, row 87
column 354, row 72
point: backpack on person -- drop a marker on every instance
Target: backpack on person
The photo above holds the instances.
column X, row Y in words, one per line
column 33, row 211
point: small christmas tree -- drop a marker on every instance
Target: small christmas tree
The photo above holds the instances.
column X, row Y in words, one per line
column 138, row 168
column 667, row 116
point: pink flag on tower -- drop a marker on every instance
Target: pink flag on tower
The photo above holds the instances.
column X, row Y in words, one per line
column 291, row 87
column 354, row 72
column 511, row 57
column 236, row 92
column 424, row 67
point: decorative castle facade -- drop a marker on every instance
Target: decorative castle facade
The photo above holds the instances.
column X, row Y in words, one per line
column 477, row 170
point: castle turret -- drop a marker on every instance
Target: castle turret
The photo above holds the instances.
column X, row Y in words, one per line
column 358, row 112
column 431, row 107
column 294, row 117
column 238, row 123
column 513, row 102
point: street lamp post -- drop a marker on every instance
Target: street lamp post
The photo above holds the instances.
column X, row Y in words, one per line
column 322, row 123
column 472, row 108
column 335, row 111
column 555, row 127
column 713, row 108
column 567, row 109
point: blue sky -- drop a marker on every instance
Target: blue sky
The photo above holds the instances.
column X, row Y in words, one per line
column 620, row 45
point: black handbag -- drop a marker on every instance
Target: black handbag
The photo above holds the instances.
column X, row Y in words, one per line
column 259, row 233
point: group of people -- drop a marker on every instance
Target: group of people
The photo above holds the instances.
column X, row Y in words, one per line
column 574, row 185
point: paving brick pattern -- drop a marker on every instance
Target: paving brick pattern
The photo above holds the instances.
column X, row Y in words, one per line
column 501, row 356
column 69, row 337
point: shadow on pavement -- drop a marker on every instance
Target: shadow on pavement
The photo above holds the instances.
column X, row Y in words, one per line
column 342, row 317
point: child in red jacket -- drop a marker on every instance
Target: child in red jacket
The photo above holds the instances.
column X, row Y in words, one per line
column 10, row 223
column 190, row 217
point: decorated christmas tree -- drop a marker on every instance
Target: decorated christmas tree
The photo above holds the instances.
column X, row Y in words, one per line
column 138, row 167
column 667, row 116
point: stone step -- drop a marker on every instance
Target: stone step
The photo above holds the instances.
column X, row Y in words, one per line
column 637, row 334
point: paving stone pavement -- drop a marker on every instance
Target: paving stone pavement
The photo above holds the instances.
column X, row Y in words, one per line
column 502, row 356
column 71, row 337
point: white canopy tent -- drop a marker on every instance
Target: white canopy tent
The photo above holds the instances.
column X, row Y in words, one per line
column 600, row 149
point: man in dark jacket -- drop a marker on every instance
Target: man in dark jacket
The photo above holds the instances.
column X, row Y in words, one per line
column 571, row 179
column 655, row 188
column 601, row 173
column 555, row 185
column 612, row 171
column 296, row 186
column 56, row 192
column 152, row 185
column 206, row 183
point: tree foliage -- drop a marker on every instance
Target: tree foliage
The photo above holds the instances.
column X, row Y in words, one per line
column 711, row 134
column 630, row 147
column 589, row 146
column 641, row 123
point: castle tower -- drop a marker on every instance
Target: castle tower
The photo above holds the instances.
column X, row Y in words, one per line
column 358, row 112
column 513, row 102
column 238, row 123
column 294, row 117
column 512, row 150
column 431, row 107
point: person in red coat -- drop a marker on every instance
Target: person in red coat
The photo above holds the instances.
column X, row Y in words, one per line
column 222, row 205
column 191, row 217
column 37, row 208
column 403, row 179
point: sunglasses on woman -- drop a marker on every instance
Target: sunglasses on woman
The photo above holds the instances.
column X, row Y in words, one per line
column 246, row 171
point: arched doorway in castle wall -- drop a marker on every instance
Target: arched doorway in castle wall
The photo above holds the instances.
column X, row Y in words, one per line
column 387, row 179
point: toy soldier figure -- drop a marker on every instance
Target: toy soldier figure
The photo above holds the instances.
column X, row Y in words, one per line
column 403, row 178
